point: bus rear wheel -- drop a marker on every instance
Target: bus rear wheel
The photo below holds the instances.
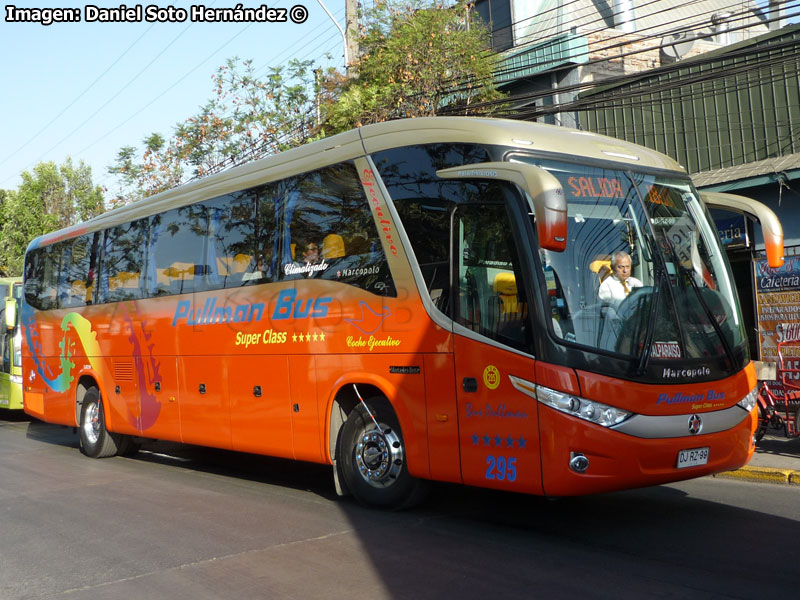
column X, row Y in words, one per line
column 96, row 440
column 371, row 459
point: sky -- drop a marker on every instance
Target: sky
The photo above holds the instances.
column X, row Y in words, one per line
column 86, row 89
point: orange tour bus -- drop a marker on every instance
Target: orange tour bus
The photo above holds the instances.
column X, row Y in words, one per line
column 414, row 300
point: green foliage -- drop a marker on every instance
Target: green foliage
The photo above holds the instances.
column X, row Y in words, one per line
column 49, row 198
column 412, row 56
column 157, row 171
column 247, row 117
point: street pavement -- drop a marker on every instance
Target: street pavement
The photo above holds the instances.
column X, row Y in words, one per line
column 776, row 460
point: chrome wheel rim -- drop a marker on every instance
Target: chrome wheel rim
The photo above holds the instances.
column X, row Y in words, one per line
column 379, row 456
column 91, row 424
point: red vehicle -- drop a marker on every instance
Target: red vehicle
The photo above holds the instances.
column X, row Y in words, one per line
column 779, row 406
column 415, row 300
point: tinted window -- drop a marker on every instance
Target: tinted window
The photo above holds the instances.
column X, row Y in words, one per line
column 41, row 277
column 77, row 283
column 330, row 232
column 490, row 293
column 122, row 272
column 178, row 263
column 425, row 203
column 497, row 15
column 242, row 230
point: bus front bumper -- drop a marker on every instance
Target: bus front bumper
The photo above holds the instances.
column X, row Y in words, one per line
column 612, row 460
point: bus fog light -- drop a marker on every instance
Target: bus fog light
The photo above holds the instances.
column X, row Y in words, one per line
column 578, row 462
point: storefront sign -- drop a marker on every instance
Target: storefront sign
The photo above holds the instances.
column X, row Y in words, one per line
column 778, row 310
column 733, row 232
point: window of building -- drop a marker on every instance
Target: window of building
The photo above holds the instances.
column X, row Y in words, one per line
column 497, row 15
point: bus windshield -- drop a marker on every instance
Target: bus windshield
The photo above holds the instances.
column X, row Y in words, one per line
column 643, row 274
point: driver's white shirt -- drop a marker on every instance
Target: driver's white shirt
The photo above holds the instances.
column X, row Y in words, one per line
column 612, row 291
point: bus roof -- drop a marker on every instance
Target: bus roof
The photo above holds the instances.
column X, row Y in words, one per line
column 524, row 135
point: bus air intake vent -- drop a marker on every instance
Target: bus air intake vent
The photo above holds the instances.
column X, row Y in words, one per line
column 123, row 371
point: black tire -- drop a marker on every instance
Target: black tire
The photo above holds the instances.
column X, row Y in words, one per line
column 96, row 440
column 129, row 446
column 371, row 460
column 763, row 421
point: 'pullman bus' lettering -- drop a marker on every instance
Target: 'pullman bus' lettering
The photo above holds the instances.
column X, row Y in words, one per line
column 211, row 314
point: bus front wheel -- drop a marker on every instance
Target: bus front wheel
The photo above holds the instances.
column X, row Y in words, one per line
column 371, row 459
column 96, row 440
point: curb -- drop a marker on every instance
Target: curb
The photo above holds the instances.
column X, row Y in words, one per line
column 763, row 475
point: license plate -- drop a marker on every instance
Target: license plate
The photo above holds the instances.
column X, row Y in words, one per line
column 692, row 458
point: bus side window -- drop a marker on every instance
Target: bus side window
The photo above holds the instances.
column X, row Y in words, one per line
column 40, row 284
column 427, row 224
column 241, row 234
column 425, row 204
column 34, row 270
column 77, row 287
column 330, row 209
column 491, row 298
column 177, row 251
column 123, row 262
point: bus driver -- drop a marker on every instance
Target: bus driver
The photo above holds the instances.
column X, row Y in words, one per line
column 616, row 288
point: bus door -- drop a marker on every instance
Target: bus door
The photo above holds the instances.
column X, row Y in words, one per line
column 5, row 357
column 497, row 413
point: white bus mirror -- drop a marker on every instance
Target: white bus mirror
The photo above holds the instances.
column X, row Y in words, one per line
column 770, row 225
column 549, row 202
column 11, row 313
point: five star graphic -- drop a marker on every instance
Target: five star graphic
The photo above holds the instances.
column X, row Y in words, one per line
column 497, row 441
column 308, row 337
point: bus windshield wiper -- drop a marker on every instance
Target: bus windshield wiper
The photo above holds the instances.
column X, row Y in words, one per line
column 708, row 312
column 661, row 276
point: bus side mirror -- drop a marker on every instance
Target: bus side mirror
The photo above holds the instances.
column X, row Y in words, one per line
column 545, row 191
column 11, row 313
column 770, row 225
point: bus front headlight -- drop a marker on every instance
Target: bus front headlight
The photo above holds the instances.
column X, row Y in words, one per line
column 749, row 401
column 588, row 410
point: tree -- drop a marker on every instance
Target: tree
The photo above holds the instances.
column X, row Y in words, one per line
column 49, row 198
column 158, row 170
column 249, row 116
column 416, row 58
column 246, row 118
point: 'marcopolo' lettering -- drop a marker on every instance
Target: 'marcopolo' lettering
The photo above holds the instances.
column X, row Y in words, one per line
column 669, row 373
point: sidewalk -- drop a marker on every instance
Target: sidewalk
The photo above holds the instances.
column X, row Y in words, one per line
column 776, row 460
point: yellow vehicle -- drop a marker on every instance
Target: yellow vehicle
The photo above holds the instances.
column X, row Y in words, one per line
column 10, row 344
